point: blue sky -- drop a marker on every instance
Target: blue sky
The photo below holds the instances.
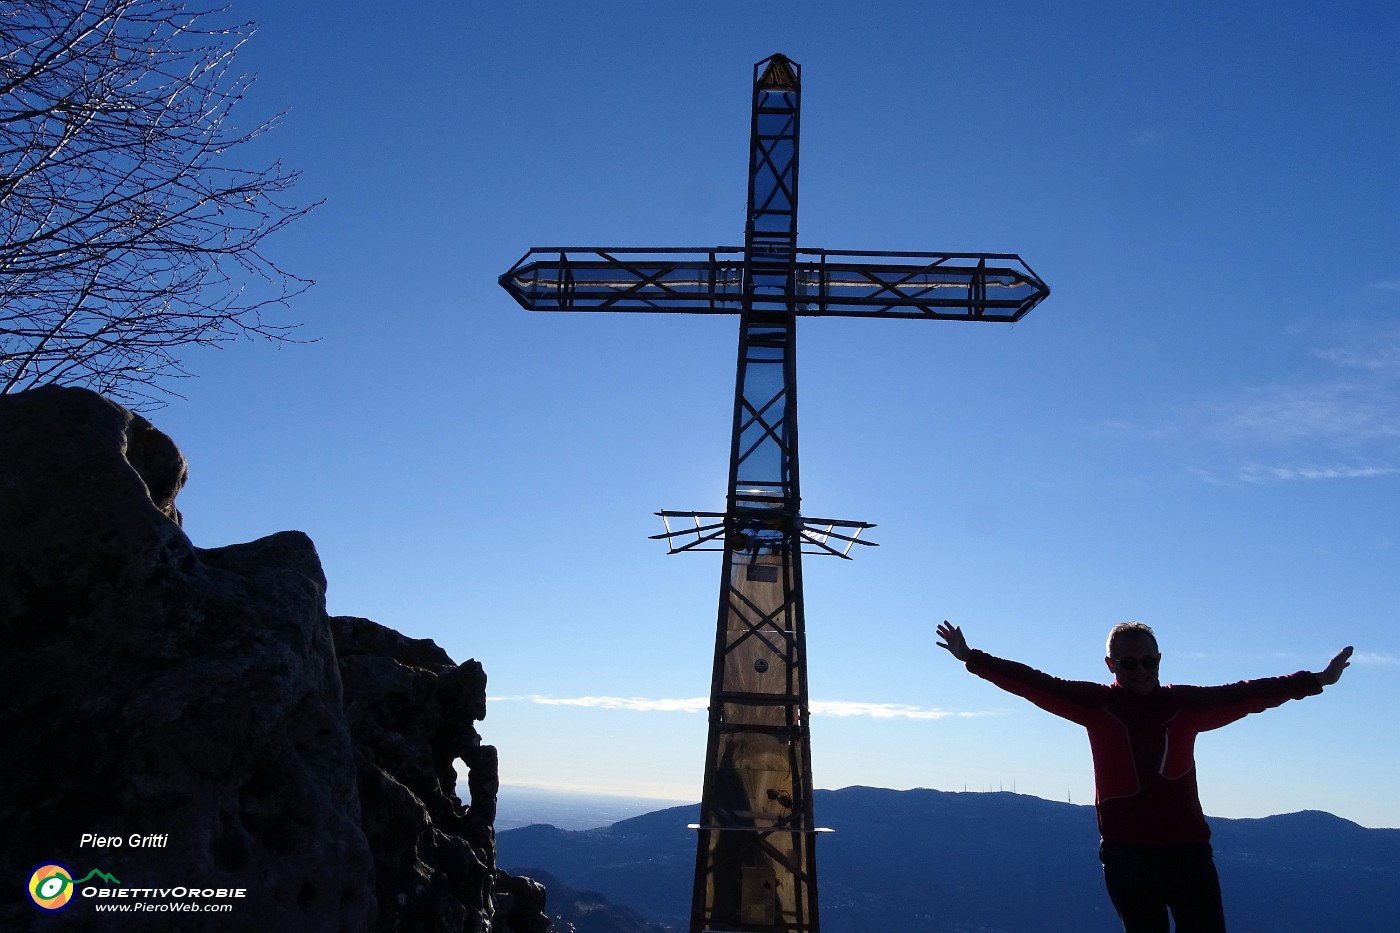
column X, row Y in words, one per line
column 1199, row 429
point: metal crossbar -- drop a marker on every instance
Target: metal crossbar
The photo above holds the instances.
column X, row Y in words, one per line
column 992, row 287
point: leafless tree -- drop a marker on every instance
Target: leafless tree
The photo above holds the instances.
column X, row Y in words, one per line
column 126, row 236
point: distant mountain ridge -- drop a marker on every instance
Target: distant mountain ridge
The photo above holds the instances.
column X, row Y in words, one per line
column 926, row 861
column 522, row 806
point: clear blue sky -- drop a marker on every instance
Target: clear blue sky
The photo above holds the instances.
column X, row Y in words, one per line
column 1199, row 429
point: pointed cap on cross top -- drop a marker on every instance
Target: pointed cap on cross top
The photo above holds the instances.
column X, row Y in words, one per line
column 780, row 74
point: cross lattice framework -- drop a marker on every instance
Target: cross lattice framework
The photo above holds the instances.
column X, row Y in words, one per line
column 755, row 858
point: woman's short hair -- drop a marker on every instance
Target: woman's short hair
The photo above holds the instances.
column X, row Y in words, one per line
column 1129, row 630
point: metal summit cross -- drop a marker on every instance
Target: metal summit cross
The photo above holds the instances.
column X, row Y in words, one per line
column 755, row 866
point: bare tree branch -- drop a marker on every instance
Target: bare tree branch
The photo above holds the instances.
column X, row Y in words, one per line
column 126, row 233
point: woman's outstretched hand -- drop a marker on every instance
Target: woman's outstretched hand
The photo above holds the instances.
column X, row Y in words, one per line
column 1333, row 671
column 953, row 640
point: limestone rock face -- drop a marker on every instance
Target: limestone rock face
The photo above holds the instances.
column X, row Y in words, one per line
column 194, row 699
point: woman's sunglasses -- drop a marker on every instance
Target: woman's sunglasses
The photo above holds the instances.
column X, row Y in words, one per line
column 1148, row 663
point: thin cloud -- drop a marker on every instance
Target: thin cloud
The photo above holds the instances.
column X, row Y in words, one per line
column 1375, row 659
column 1346, row 427
column 636, row 704
column 882, row 710
column 1339, row 423
column 1336, row 414
column 1255, row 473
column 838, row 708
column 1382, row 357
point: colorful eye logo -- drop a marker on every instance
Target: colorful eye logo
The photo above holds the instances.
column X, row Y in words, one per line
column 51, row 886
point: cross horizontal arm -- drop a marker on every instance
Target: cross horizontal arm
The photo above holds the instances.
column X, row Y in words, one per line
column 962, row 286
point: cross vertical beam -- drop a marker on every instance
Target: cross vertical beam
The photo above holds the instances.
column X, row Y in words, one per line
column 755, row 864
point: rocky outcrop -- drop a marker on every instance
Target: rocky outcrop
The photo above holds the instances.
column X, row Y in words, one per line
column 198, row 710
column 411, row 713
